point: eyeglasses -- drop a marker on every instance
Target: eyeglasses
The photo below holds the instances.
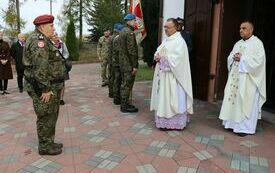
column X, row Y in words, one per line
column 168, row 27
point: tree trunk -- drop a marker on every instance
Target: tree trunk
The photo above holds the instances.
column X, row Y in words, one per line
column 126, row 6
column 18, row 16
column 51, row 7
column 80, row 22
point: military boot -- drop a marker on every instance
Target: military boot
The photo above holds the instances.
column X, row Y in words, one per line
column 132, row 106
column 52, row 151
column 117, row 101
column 57, row 145
column 128, row 109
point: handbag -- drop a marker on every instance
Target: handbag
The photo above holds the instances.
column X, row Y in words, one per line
column 68, row 65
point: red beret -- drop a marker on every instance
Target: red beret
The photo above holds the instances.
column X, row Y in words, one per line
column 43, row 19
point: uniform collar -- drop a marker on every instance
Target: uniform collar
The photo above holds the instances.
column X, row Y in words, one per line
column 249, row 39
column 173, row 36
column 132, row 28
column 40, row 35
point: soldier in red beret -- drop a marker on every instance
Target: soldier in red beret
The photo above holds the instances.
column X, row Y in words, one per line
column 43, row 19
column 44, row 78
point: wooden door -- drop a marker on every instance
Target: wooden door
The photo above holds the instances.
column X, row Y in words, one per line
column 261, row 13
column 198, row 15
column 264, row 22
column 232, row 15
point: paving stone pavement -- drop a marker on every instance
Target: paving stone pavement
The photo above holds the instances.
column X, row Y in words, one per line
column 97, row 138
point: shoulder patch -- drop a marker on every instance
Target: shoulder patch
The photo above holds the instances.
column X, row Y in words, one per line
column 41, row 44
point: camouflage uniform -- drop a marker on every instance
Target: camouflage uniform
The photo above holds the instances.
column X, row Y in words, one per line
column 110, row 65
column 128, row 59
column 116, row 69
column 102, row 52
column 44, row 72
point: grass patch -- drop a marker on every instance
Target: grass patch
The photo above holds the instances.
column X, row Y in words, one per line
column 144, row 73
column 88, row 52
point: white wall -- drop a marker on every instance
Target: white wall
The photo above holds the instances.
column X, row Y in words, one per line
column 172, row 8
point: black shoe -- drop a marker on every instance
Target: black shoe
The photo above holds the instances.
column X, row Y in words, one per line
column 62, row 102
column 132, row 106
column 242, row 134
column 136, row 109
column 104, row 84
column 5, row 92
column 57, row 145
column 128, row 110
column 52, row 151
column 20, row 90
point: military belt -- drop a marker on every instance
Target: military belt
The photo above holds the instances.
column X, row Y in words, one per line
column 57, row 81
column 34, row 85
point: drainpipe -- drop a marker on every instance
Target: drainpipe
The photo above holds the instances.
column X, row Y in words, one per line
column 217, row 6
column 160, row 21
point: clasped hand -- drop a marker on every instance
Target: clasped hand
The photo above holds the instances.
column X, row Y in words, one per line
column 157, row 57
column 237, row 56
column 134, row 72
column 4, row 61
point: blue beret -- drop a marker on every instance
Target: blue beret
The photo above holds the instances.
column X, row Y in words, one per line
column 130, row 17
column 120, row 27
column 116, row 25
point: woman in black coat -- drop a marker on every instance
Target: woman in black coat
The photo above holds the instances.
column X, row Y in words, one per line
column 5, row 65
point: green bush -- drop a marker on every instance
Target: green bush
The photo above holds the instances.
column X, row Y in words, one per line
column 145, row 73
column 72, row 42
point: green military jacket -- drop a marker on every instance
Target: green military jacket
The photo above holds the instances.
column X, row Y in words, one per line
column 111, row 48
column 115, row 52
column 102, row 47
column 43, row 63
column 128, row 50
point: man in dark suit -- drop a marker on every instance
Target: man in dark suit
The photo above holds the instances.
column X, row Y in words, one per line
column 17, row 54
column 185, row 35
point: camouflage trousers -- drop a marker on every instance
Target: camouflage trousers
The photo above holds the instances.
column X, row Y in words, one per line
column 110, row 79
column 117, row 83
column 126, row 87
column 104, row 65
column 47, row 114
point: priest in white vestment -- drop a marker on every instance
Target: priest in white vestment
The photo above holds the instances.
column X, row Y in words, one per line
column 245, row 90
column 172, row 96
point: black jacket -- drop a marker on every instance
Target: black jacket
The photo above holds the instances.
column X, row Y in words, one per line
column 17, row 54
column 187, row 37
